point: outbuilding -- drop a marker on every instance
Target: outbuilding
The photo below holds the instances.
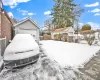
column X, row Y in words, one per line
column 27, row 26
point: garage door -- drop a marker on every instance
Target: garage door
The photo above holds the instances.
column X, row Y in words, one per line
column 32, row 32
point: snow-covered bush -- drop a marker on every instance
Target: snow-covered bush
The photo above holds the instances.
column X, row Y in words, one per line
column 89, row 38
column 99, row 36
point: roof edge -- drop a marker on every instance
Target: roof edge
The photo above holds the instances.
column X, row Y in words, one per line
column 26, row 19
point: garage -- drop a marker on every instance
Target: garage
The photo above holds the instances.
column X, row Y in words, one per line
column 29, row 31
column 27, row 26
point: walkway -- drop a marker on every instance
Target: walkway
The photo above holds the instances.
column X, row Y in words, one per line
column 92, row 68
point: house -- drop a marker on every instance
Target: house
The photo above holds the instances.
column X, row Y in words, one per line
column 27, row 26
column 66, row 34
column 5, row 24
column 5, row 29
column 87, row 31
column 97, row 34
column 88, row 34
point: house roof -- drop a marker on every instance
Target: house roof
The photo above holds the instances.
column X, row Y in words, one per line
column 87, row 31
column 27, row 19
column 62, row 29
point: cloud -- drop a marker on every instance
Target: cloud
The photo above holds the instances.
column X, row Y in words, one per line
column 95, row 10
column 47, row 13
column 13, row 3
column 30, row 14
column 97, row 14
column 92, row 5
column 81, row 24
column 10, row 14
column 25, row 12
column 94, row 25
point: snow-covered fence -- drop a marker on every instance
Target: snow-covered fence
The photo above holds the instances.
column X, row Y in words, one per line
column 3, row 43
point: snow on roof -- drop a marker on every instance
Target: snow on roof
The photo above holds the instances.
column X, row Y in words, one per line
column 69, row 54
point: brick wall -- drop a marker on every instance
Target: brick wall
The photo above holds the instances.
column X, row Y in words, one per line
column 0, row 23
column 6, row 27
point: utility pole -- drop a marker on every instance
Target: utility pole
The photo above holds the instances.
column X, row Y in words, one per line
column 77, row 31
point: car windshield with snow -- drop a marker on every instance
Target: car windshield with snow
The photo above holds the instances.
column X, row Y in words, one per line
column 21, row 51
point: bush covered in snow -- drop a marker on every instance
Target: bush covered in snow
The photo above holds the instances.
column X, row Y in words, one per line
column 89, row 38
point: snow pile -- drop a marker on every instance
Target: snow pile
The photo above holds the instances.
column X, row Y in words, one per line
column 69, row 54
column 45, row 69
column 1, row 63
column 22, row 43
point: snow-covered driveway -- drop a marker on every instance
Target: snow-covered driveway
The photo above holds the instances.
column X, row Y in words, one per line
column 71, row 54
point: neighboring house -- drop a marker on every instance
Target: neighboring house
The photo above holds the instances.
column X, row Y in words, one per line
column 27, row 26
column 5, row 24
column 97, row 34
column 78, row 36
column 68, row 32
column 89, row 32
column 5, row 29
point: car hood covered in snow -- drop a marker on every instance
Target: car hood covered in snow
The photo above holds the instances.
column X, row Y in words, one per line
column 22, row 43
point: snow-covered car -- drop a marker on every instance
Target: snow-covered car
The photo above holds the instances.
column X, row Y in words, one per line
column 22, row 50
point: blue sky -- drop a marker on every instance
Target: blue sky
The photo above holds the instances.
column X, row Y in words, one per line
column 39, row 10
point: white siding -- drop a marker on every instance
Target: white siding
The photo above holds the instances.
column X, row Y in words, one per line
column 71, row 32
column 27, row 27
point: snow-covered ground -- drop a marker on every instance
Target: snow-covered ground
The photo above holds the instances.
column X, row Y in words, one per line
column 69, row 54
column 44, row 69
column 96, row 42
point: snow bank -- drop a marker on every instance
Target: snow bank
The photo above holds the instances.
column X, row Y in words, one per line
column 70, row 54
column 22, row 43
column 44, row 69
column 1, row 62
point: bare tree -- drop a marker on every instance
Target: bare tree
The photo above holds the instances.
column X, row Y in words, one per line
column 48, row 24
